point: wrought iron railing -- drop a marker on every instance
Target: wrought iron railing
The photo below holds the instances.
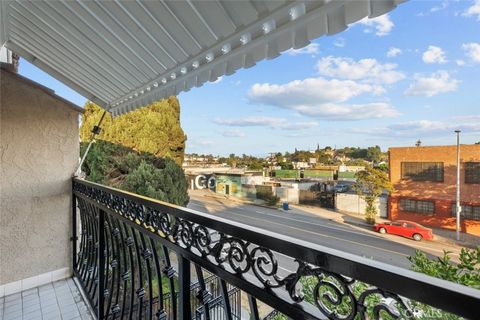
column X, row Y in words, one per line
column 131, row 245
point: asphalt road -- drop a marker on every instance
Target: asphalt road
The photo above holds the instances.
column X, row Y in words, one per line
column 303, row 225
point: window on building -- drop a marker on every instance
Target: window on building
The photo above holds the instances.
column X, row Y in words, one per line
column 417, row 206
column 468, row 212
column 423, row 171
column 472, row 172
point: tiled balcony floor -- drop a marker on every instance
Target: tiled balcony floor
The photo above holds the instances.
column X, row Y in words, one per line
column 58, row 300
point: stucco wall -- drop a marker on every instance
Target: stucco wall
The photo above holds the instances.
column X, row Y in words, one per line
column 39, row 148
column 350, row 202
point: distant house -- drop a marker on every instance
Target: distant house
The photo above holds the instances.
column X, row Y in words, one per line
column 300, row 165
column 240, row 185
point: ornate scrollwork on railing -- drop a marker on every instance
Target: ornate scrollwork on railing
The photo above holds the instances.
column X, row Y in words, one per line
column 334, row 295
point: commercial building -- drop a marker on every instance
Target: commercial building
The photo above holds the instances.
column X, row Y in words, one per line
column 424, row 179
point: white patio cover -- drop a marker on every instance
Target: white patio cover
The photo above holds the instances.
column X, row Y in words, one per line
column 125, row 54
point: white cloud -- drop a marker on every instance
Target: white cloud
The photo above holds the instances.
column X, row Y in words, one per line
column 460, row 62
column 474, row 10
column 346, row 112
column 310, row 91
column 368, row 70
column 322, row 98
column 233, row 134
column 270, row 122
column 312, row 49
column 382, row 24
column 340, row 42
column 440, row 7
column 426, row 128
column 393, row 52
column 434, row 55
column 328, row 98
column 420, row 125
column 200, row 142
column 436, row 83
column 217, row 81
column 472, row 50
column 299, row 125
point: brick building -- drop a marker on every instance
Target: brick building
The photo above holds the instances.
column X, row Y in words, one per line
column 425, row 185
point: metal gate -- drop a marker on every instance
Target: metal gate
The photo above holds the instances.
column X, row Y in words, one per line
column 317, row 198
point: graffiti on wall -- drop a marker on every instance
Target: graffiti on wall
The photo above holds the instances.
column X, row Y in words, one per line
column 203, row 181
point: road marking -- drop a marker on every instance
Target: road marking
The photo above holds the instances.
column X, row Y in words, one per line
column 325, row 225
column 329, row 226
column 321, row 235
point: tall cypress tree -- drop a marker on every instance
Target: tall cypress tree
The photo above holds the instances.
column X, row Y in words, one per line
column 154, row 129
column 141, row 151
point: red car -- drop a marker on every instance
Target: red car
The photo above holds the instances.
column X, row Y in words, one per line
column 404, row 228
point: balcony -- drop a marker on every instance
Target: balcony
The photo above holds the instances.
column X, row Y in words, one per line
column 138, row 258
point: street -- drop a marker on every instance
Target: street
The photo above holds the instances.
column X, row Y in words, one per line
column 301, row 224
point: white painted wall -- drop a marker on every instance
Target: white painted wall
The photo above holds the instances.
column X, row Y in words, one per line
column 289, row 195
column 349, row 202
column 254, row 180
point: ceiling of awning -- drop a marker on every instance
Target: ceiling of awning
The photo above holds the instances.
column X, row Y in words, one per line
column 125, row 54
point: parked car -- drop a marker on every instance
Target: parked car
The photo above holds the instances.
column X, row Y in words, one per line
column 406, row 229
column 340, row 188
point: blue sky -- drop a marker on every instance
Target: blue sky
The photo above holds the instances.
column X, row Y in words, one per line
column 412, row 74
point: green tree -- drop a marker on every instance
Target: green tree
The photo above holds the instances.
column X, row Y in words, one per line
column 232, row 160
column 374, row 154
column 370, row 184
column 154, row 129
column 139, row 172
column 383, row 167
column 356, row 162
column 162, row 180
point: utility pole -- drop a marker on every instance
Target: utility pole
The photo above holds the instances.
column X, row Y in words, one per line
column 457, row 206
column 271, row 160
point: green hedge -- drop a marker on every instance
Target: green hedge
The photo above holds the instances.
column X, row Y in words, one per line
column 319, row 173
column 348, row 175
column 293, row 174
column 287, row 173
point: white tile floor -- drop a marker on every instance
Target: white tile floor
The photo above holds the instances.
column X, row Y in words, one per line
column 58, row 300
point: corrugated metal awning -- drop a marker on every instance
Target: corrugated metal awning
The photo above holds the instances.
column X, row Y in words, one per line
column 125, row 54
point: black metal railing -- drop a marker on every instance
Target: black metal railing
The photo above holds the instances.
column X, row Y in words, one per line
column 131, row 247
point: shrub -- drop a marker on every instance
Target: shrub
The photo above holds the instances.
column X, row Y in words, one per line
column 467, row 273
column 142, row 173
column 272, row 200
column 265, row 193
